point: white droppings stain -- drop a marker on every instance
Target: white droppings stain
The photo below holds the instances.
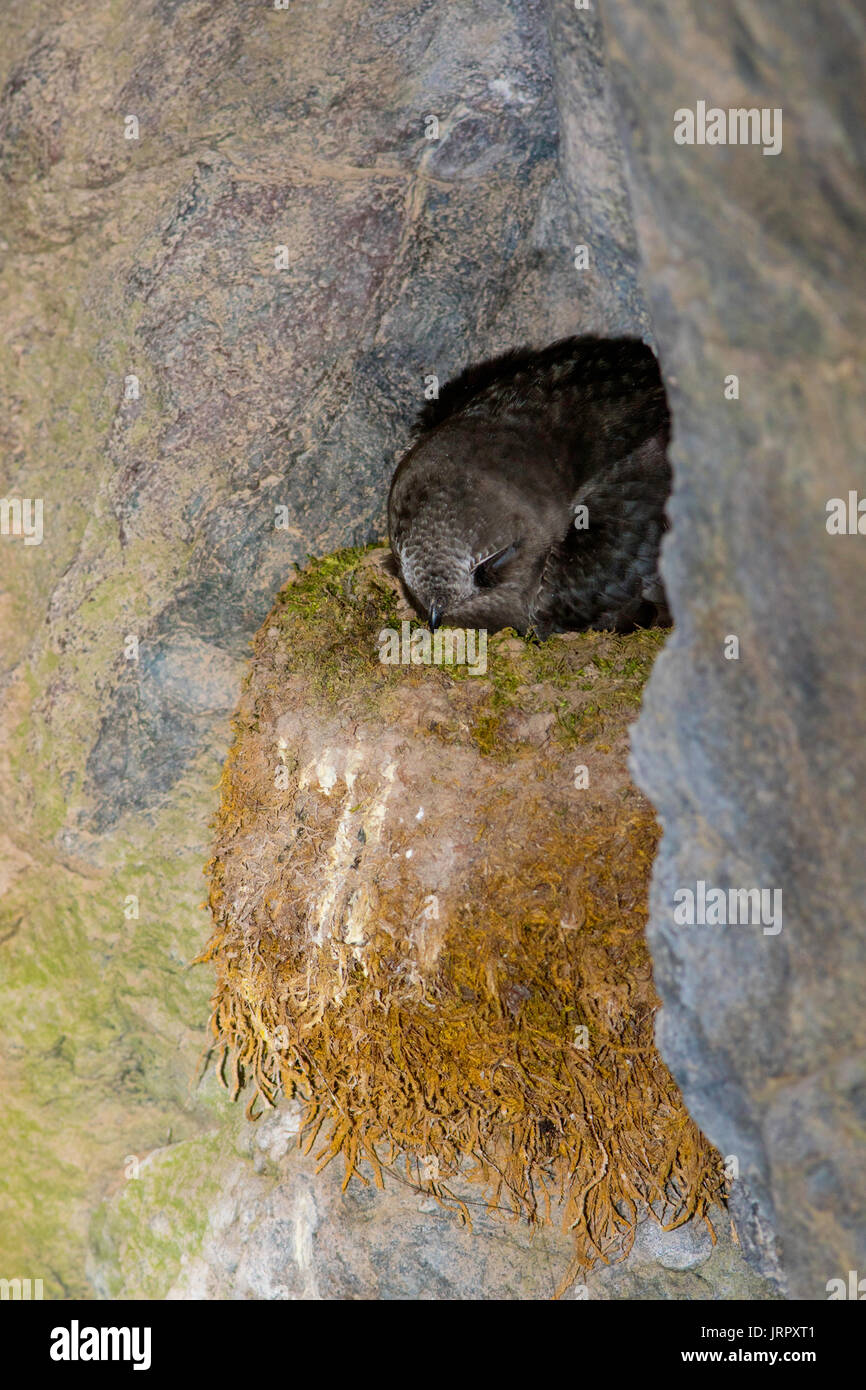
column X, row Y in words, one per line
column 429, row 933
column 303, row 1233
column 345, row 844
column 357, row 916
column 373, row 824
column 326, row 773
column 345, row 847
column 305, row 1222
column 324, row 770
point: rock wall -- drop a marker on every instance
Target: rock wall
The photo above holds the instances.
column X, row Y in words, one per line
column 230, row 257
column 757, row 765
column 240, row 1213
column 215, row 337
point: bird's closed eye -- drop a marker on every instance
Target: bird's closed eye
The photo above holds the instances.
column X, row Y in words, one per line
column 487, row 571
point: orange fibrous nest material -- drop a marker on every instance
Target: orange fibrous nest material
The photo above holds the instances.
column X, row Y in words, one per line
column 429, row 892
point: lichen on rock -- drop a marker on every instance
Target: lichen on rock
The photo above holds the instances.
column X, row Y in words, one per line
column 429, row 892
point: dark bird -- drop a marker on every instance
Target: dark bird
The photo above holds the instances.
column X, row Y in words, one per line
column 533, row 494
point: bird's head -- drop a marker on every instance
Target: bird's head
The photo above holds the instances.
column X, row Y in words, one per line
column 451, row 582
column 467, row 549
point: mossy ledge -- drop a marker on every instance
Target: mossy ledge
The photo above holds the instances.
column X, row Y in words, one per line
column 429, row 892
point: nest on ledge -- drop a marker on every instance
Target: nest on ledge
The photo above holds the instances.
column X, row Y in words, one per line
column 429, row 892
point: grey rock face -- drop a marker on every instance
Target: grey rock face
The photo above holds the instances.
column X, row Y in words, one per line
column 169, row 388
column 599, row 214
column 757, row 765
column 172, row 378
column 280, row 259
column 268, row 1228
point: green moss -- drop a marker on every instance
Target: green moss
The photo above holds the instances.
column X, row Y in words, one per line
column 159, row 1217
column 103, row 1034
column 330, row 617
column 332, row 636
column 487, row 733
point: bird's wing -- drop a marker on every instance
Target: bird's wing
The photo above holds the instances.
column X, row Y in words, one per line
column 604, row 574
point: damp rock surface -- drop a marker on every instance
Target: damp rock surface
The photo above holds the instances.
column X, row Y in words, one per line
column 216, row 336
column 270, row 1228
column 757, row 764
column 169, row 389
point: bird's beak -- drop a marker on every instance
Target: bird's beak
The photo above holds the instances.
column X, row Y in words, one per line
column 434, row 617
